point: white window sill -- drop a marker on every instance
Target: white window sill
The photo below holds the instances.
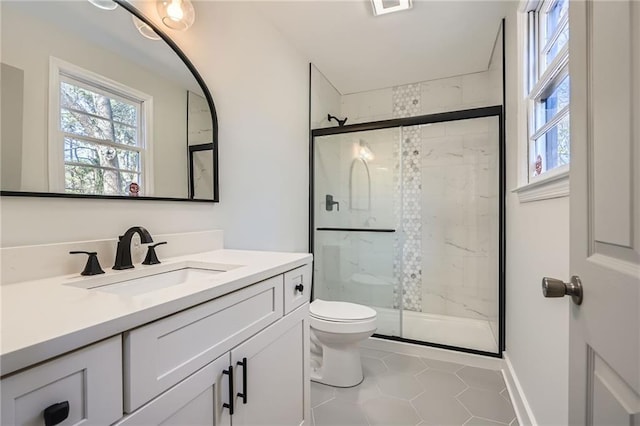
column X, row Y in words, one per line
column 555, row 186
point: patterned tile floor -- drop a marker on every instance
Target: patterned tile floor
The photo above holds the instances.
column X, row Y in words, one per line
column 409, row 390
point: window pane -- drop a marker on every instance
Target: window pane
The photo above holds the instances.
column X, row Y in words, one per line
column 550, row 150
column 124, row 113
column 127, row 179
column 558, row 99
column 553, row 17
column 80, row 151
column 75, row 97
column 550, row 106
column 126, row 135
column 562, row 39
column 85, row 125
column 89, row 180
column 98, row 128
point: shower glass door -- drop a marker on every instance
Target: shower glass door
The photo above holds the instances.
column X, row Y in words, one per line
column 357, row 209
column 452, row 230
column 407, row 221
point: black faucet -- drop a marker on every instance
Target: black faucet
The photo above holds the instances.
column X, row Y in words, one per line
column 123, row 253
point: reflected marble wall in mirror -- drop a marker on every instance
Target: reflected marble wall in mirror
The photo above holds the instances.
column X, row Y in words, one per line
column 90, row 106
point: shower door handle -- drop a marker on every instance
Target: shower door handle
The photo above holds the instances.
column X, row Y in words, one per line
column 552, row 287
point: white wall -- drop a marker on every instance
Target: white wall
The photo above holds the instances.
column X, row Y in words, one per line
column 11, row 109
column 537, row 246
column 260, row 86
column 325, row 99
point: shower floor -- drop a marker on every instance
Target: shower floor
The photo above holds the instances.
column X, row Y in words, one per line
column 434, row 328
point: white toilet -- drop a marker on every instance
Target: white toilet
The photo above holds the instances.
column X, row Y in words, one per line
column 337, row 328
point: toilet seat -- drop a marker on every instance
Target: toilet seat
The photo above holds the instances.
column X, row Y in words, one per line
column 341, row 317
column 340, row 311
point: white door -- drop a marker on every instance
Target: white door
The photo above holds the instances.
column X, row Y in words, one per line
column 604, row 380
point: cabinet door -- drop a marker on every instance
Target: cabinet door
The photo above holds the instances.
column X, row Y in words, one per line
column 272, row 370
column 89, row 380
column 197, row 400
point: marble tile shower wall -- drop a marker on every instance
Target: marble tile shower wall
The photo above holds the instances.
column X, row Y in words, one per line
column 447, row 94
column 459, row 219
column 465, row 284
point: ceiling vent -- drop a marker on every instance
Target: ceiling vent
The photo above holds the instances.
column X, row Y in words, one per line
column 381, row 7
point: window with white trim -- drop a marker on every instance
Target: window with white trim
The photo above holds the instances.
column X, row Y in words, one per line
column 100, row 136
column 548, row 88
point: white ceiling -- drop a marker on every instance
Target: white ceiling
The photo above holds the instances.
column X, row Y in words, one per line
column 358, row 52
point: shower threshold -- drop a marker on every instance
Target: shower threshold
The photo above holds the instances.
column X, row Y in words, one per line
column 470, row 333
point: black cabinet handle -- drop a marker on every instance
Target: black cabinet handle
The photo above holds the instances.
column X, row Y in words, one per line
column 229, row 405
column 56, row 413
column 243, row 394
column 299, row 288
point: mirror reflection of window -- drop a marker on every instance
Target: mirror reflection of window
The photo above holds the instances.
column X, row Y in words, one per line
column 101, row 133
column 80, row 39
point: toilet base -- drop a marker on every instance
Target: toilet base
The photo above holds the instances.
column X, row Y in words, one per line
column 339, row 367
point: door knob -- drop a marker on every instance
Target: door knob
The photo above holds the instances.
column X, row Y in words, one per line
column 552, row 287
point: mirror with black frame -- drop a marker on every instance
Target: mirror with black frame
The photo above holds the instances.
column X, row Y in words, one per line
column 92, row 108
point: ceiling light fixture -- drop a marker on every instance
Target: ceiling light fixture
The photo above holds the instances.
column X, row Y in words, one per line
column 381, row 7
column 144, row 29
column 176, row 14
column 104, row 4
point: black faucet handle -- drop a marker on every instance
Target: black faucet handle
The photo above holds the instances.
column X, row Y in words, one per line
column 152, row 257
column 93, row 266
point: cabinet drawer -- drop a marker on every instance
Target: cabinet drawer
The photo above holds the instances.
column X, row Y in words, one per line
column 297, row 287
column 161, row 354
column 89, row 379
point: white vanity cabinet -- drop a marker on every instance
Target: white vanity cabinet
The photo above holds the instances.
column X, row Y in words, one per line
column 89, row 380
column 161, row 354
column 238, row 359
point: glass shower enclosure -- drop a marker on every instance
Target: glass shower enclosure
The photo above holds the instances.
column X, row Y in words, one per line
column 407, row 218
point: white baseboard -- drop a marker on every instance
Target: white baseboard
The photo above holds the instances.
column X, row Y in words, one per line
column 434, row 353
column 518, row 398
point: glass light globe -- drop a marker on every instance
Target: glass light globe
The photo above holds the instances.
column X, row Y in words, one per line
column 144, row 29
column 176, row 14
column 104, row 4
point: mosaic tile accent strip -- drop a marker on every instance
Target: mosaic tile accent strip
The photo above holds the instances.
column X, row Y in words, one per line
column 397, row 215
column 412, row 219
column 406, row 100
column 408, row 261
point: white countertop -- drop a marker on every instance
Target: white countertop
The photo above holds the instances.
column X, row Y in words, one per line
column 46, row 318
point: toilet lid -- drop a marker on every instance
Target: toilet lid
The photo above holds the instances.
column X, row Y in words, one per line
column 340, row 311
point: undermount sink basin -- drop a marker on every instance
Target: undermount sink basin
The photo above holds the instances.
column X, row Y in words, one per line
column 133, row 284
